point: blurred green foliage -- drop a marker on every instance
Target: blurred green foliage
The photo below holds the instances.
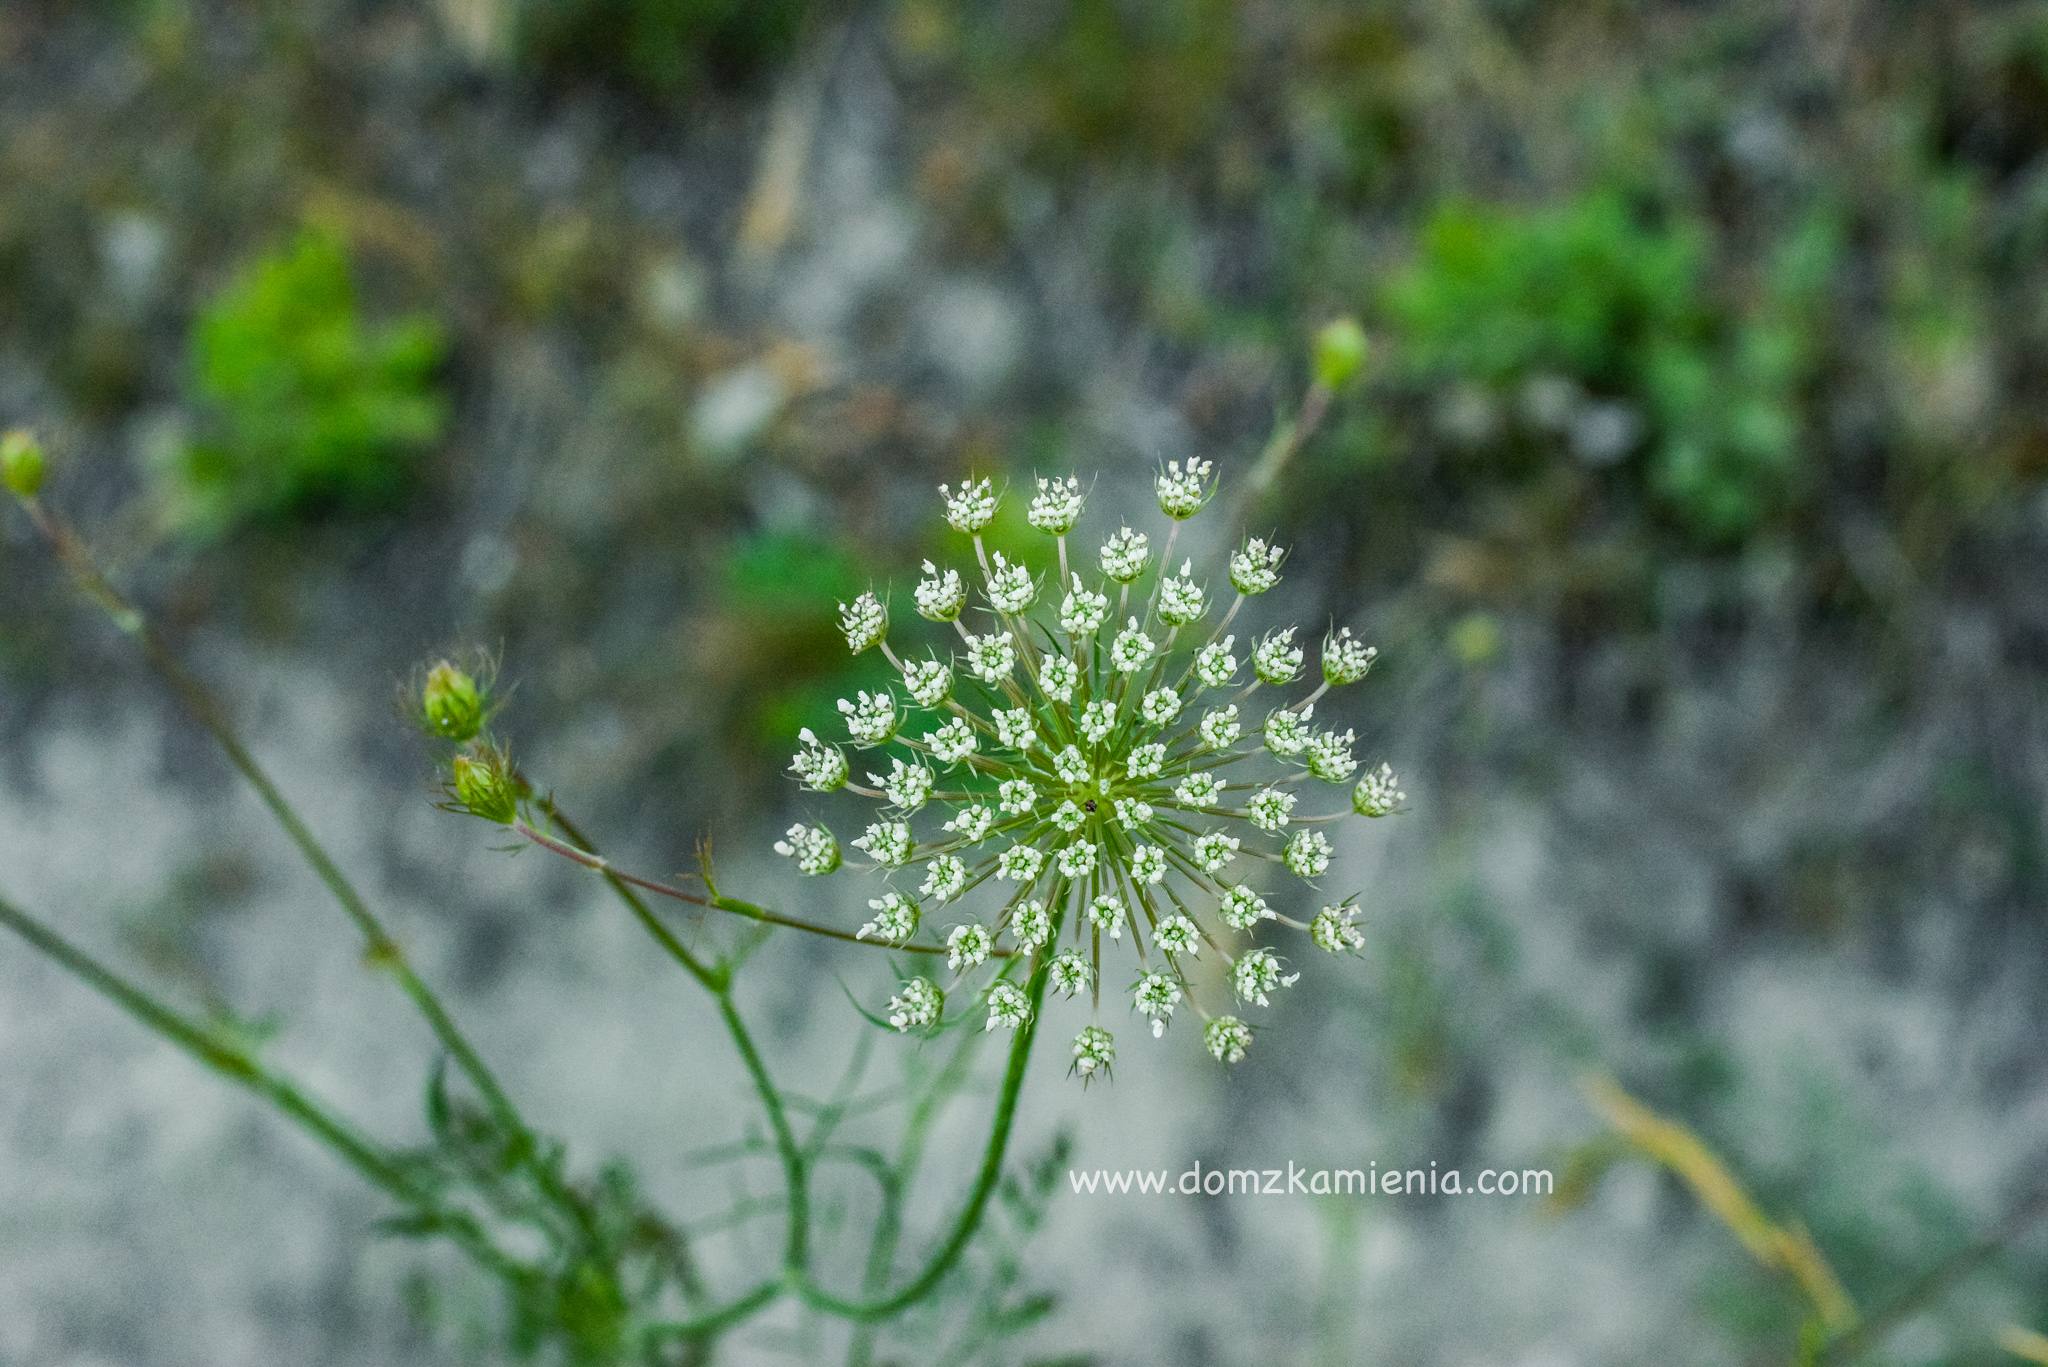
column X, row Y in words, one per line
column 779, row 589
column 659, row 49
column 305, row 404
column 1621, row 304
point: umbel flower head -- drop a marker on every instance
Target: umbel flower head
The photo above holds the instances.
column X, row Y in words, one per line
column 1082, row 760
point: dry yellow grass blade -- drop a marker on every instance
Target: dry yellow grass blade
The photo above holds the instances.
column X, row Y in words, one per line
column 1783, row 1248
column 2024, row 1344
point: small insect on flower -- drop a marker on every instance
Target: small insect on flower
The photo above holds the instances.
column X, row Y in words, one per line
column 865, row 622
column 917, row 1006
column 1094, row 1051
column 1007, row 1006
column 894, row 919
column 1378, row 793
column 1057, row 506
column 972, row 508
column 1154, row 996
column 1255, row 567
column 1227, row 1038
column 812, row 847
column 1336, row 931
column 940, row 594
column 1084, row 776
column 967, row 946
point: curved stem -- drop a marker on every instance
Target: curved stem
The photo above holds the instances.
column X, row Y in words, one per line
column 969, row 1220
column 720, row 1318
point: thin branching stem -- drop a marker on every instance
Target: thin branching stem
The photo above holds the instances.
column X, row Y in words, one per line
column 382, row 949
column 968, row 1221
column 715, row 901
column 361, row 1153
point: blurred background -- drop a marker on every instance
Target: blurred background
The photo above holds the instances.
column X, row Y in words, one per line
column 1694, row 496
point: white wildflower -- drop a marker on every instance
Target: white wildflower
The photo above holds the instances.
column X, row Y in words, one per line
column 812, row 847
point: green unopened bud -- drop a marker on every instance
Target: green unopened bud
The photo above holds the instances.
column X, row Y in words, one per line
column 451, row 704
column 1339, row 353
column 21, row 463
column 482, row 785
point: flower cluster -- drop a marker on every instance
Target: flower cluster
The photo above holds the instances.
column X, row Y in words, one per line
column 1109, row 760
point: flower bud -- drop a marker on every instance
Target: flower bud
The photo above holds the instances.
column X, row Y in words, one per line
column 21, row 463
column 451, row 704
column 481, row 785
column 1340, row 351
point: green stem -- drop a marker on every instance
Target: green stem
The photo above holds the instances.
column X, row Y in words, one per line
column 357, row 1150
column 722, row 1317
column 199, row 702
column 969, row 1219
column 618, row 878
